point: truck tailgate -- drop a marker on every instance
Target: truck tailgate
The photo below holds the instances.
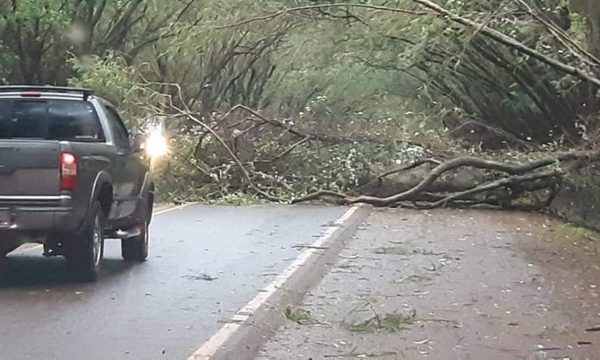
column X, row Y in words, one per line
column 29, row 168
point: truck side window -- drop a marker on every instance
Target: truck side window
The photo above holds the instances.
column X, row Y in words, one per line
column 118, row 129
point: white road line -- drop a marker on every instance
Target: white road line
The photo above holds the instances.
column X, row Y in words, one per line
column 208, row 349
column 159, row 212
column 164, row 211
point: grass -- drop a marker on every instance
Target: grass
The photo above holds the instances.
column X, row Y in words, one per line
column 297, row 315
column 391, row 323
column 575, row 232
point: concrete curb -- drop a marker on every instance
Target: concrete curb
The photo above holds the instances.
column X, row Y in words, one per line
column 242, row 338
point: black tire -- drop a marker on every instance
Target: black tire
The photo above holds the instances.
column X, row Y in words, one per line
column 150, row 206
column 3, row 267
column 86, row 249
column 136, row 248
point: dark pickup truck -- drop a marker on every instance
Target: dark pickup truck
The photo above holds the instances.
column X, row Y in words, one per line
column 70, row 176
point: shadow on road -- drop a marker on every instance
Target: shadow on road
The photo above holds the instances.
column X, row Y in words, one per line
column 23, row 271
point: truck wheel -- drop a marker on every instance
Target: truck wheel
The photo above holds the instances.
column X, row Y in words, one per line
column 3, row 266
column 86, row 249
column 136, row 248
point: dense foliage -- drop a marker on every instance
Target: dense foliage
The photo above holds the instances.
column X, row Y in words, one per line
column 375, row 76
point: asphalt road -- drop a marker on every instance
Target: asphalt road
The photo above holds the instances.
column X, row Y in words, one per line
column 205, row 264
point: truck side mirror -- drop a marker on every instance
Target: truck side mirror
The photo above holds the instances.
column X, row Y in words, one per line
column 138, row 143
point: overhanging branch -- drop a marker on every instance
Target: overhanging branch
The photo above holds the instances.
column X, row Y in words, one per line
column 438, row 10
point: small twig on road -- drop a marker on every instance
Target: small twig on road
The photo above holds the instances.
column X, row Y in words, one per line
column 501, row 349
column 204, row 277
column 300, row 246
column 362, row 355
column 549, row 349
column 440, row 320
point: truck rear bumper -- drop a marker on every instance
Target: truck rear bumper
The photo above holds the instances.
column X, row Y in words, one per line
column 36, row 214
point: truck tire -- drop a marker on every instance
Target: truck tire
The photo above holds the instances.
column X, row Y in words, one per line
column 86, row 249
column 136, row 248
column 3, row 266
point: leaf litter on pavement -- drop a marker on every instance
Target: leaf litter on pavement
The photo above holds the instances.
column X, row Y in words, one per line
column 202, row 276
column 458, row 285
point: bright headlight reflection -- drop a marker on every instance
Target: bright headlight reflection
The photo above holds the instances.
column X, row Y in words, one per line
column 156, row 144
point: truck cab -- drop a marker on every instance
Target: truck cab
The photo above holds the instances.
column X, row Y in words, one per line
column 71, row 175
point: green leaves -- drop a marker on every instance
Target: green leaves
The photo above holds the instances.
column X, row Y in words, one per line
column 35, row 14
column 117, row 82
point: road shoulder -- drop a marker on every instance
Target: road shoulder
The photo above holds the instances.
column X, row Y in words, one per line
column 243, row 335
column 449, row 285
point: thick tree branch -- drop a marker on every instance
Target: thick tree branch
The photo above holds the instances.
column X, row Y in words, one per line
column 512, row 180
column 511, row 169
column 237, row 161
column 321, row 7
column 446, row 14
column 521, row 173
column 510, row 42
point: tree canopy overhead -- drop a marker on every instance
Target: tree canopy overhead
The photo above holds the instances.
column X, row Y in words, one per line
column 498, row 73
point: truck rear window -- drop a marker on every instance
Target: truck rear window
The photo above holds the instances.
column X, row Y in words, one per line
column 71, row 120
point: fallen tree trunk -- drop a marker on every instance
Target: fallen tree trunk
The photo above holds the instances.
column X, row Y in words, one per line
column 518, row 179
column 424, row 185
column 509, row 181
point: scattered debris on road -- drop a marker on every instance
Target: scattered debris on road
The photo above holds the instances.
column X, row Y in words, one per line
column 438, row 293
column 202, row 276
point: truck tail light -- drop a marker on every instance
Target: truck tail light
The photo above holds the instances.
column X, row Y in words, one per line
column 68, row 171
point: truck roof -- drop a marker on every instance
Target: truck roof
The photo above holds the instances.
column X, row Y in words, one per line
column 32, row 91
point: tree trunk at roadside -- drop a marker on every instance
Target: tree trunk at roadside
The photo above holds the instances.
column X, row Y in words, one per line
column 591, row 10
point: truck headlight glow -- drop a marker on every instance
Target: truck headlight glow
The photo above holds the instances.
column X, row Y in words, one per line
column 156, row 144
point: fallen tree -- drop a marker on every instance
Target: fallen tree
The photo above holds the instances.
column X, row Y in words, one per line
column 522, row 178
column 504, row 184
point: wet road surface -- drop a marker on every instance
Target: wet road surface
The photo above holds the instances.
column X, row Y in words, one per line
column 205, row 264
column 448, row 284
